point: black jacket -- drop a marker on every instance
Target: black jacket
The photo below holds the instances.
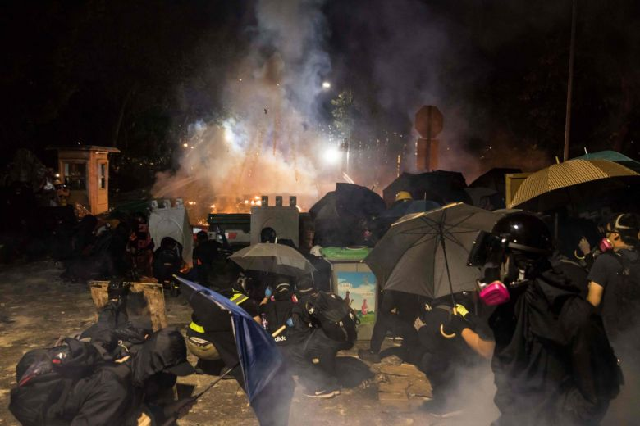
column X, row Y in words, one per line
column 553, row 363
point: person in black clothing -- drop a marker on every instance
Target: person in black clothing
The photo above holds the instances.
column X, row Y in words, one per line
column 205, row 254
column 397, row 313
column 212, row 324
column 452, row 342
column 167, row 262
column 88, row 390
column 553, row 363
column 614, row 289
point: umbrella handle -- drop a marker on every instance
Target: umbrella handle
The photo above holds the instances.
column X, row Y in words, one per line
column 445, row 335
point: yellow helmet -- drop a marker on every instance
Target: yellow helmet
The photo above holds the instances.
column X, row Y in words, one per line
column 403, row 195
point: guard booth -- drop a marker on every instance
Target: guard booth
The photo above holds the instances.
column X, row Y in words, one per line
column 85, row 171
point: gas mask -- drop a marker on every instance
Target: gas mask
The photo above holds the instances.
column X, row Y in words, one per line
column 499, row 269
column 605, row 245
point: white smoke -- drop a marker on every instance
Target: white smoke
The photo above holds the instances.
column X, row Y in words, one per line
column 270, row 141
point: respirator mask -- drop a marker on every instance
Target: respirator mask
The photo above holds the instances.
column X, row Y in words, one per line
column 605, row 245
column 499, row 270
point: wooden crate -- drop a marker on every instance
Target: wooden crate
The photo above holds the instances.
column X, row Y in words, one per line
column 153, row 295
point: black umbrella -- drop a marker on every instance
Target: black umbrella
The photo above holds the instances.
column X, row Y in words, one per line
column 441, row 186
column 426, row 253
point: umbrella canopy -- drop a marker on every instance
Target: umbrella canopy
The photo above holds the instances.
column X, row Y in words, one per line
column 274, row 258
column 441, row 185
column 413, row 255
column 494, row 179
column 340, row 215
column 612, row 156
column 572, row 182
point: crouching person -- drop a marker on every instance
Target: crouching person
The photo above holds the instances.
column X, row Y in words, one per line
column 452, row 341
column 72, row 384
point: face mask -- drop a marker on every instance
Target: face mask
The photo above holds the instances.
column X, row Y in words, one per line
column 605, row 245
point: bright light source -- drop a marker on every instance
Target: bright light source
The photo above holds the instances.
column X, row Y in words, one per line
column 332, row 155
column 326, row 85
column 186, row 145
column 228, row 134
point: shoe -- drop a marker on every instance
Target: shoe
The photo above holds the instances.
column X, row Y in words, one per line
column 438, row 409
column 325, row 393
column 370, row 356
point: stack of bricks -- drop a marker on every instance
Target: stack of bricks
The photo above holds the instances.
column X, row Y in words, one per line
column 401, row 386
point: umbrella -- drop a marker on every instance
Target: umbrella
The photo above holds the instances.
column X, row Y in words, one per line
column 260, row 358
column 274, row 258
column 494, row 179
column 572, row 182
column 440, row 185
column 612, row 156
column 339, row 215
column 426, row 253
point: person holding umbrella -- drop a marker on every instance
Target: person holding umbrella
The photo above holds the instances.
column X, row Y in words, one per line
column 553, row 362
column 452, row 341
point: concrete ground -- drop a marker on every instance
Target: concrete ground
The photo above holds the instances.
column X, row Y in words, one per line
column 36, row 308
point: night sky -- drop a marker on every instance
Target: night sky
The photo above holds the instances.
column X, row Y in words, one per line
column 136, row 74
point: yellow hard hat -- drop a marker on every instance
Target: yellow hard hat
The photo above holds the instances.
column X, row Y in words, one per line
column 403, row 195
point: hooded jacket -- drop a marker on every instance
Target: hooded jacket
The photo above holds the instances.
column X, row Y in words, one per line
column 553, row 363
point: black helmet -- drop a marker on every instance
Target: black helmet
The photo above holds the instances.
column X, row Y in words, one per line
column 268, row 235
column 524, row 232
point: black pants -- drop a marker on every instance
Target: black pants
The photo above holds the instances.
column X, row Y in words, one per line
column 314, row 360
column 397, row 326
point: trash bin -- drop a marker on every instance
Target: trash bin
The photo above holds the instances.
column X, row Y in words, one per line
column 352, row 280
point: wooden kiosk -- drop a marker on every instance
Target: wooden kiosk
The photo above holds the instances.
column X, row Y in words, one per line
column 85, row 171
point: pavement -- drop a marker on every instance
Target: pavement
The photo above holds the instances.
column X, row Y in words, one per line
column 36, row 308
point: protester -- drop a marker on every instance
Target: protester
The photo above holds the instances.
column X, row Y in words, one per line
column 72, row 384
column 212, row 324
column 205, row 255
column 333, row 329
column 452, row 342
column 140, row 247
column 396, row 314
column 553, row 362
column 614, row 289
column 167, row 262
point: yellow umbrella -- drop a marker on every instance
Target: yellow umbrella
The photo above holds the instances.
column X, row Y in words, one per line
column 570, row 182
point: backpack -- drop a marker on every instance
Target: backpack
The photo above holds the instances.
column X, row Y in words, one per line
column 335, row 317
column 45, row 379
column 628, row 286
column 278, row 315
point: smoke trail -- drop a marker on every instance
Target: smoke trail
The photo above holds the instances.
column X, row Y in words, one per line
column 270, row 140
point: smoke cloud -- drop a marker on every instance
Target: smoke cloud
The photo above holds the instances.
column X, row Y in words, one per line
column 270, row 141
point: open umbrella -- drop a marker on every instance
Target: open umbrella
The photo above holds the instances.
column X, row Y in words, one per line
column 274, row 258
column 426, row 253
column 442, row 186
column 573, row 182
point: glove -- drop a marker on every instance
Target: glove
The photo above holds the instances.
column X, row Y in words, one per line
column 268, row 292
column 456, row 324
column 290, row 322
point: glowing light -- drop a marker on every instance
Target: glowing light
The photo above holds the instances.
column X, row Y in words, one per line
column 332, row 155
column 186, row 145
column 228, row 134
column 326, row 85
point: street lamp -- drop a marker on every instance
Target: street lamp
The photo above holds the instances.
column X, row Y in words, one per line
column 326, row 85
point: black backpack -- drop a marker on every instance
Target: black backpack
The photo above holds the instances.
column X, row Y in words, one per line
column 629, row 273
column 277, row 314
column 336, row 318
column 45, row 379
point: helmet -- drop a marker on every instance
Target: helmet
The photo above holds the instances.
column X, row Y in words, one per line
column 268, row 235
column 524, row 232
column 403, row 195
